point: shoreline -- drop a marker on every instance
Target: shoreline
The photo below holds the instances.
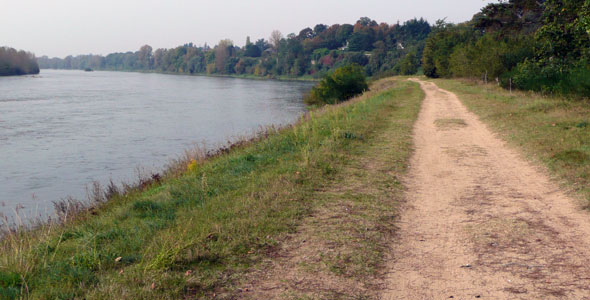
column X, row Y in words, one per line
column 246, row 76
column 122, row 164
column 228, row 209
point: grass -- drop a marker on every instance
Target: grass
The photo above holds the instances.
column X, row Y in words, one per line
column 449, row 123
column 552, row 130
column 339, row 250
column 206, row 226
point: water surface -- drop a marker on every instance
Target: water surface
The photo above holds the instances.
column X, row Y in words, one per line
column 61, row 130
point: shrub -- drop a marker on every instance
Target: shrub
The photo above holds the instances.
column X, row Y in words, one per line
column 553, row 78
column 343, row 84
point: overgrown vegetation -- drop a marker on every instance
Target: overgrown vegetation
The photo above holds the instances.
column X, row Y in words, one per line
column 198, row 231
column 343, row 84
column 13, row 62
column 553, row 130
column 378, row 48
column 527, row 44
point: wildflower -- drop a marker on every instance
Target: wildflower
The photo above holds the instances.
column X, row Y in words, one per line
column 192, row 165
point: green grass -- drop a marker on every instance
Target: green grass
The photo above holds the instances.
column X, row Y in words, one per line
column 204, row 229
column 555, row 131
column 348, row 234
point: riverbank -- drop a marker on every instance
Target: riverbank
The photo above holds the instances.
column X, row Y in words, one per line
column 553, row 131
column 87, row 126
column 211, row 224
column 242, row 76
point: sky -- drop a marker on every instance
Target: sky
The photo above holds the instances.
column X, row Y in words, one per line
column 58, row 28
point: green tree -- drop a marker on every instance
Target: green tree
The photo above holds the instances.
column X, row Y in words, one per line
column 440, row 45
column 409, row 64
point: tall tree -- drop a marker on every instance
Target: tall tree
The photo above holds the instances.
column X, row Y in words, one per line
column 275, row 39
column 222, row 53
column 145, row 56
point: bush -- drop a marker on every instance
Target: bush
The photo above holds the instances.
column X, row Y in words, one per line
column 343, row 84
column 553, row 78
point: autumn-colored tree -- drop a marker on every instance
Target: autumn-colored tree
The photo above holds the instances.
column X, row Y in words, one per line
column 275, row 39
column 293, row 55
column 222, row 53
column 144, row 55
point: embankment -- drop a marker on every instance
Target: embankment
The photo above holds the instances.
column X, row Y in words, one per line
column 207, row 230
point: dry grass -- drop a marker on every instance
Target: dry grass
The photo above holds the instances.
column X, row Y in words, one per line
column 449, row 124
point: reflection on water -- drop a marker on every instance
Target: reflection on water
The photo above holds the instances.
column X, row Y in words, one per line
column 61, row 130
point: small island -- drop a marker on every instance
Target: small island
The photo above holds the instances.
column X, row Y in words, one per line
column 13, row 62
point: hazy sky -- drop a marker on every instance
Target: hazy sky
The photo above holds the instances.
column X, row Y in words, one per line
column 63, row 27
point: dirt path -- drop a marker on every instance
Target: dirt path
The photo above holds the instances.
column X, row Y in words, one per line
column 481, row 222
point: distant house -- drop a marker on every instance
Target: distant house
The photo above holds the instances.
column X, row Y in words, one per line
column 345, row 47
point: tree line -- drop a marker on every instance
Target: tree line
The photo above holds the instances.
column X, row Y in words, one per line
column 379, row 48
column 540, row 45
column 13, row 62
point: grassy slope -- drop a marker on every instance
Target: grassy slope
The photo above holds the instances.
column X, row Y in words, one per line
column 552, row 130
column 339, row 250
column 204, row 229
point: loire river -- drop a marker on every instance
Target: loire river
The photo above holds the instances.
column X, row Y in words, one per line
column 61, row 130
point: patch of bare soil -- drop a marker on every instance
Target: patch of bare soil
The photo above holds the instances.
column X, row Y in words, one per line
column 480, row 221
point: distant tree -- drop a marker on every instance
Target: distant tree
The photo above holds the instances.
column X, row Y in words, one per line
column 275, row 39
column 319, row 28
column 262, row 44
column 344, row 33
column 377, row 59
column 13, row 62
column 222, row 54
column 144, row 56
column 409, row 64
column 293, row 55
column 356, row 58
column 251, row 50
column 365, row 21
column 361, row 41
column 306, row 33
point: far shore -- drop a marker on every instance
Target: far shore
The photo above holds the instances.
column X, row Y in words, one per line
column 244, row 76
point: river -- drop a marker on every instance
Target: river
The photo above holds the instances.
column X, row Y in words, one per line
column 61, row 130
